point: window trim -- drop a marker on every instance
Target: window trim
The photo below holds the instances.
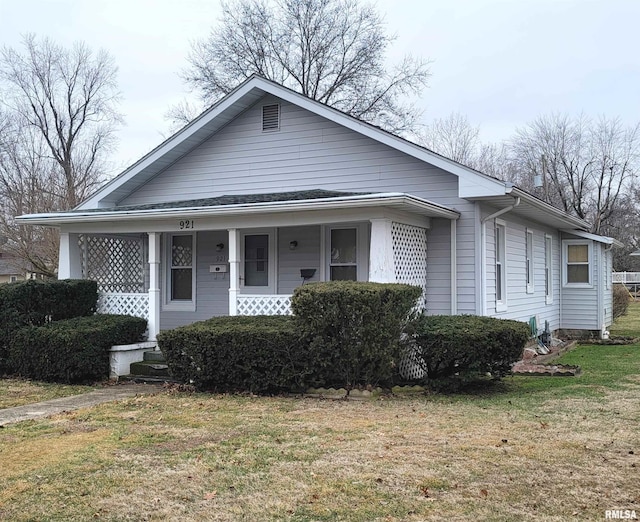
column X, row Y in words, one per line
column 529, row 261
column 565, row 262
column 181, row 305
column 13, row 279
column 500, row 230
column 548, row 268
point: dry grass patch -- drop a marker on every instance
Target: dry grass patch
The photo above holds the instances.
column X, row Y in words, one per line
column 18, row 392
column 227, row 458
column 549, row 448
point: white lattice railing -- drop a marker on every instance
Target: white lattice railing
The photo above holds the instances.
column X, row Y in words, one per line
column 264, row 305
column 128, row 304
column 626, row 277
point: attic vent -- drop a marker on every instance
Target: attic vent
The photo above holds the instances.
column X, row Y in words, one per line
column 270, row 117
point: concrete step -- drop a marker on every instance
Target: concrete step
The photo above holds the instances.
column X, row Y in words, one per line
column 150, row 368
column 154, row 356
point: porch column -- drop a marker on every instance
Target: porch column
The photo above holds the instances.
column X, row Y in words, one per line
column 381, row 264
column 70, row 257
column 154, row 285
column 234, row 270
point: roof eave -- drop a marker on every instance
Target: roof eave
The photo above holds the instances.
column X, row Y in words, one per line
column 388, row 199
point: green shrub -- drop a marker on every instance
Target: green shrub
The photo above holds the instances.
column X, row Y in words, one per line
column 257, row 354
column 354, row 329
column 34, row 303
column 72, row 350
column 621, row 300
column 450, row 344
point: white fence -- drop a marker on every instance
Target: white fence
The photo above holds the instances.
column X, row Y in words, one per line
column 632, row 278
column 121, row 303
column 264, row 305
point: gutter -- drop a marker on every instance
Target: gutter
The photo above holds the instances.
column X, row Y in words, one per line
column 483, row 251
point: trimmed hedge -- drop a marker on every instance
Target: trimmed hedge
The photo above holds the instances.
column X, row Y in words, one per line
column 257, row 353
column 72, row 350
column 35, row 303
column 449, row 344
column 354, row 329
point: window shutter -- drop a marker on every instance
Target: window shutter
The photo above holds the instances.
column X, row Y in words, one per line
column 270, row 117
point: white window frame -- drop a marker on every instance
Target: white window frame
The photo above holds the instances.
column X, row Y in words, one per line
column 181, row 305
column 13, row 279
column 607, row 268
column 500, row 230
column 272, row 262
column 529, row 261
column 548, row 269
column 565, row 261
column 362, row 250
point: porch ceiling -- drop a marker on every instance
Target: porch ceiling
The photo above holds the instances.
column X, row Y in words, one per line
column 248, row 204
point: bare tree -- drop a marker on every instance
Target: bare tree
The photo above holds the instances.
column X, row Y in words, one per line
column 332, row 51
column 453, row 137
column 60, row 116
column 586, row 166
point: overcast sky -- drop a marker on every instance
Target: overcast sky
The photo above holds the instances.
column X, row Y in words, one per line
column 500, row 62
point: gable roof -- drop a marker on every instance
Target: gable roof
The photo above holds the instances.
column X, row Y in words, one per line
column 471, row 182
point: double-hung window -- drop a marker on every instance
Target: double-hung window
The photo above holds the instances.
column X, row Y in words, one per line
column 343, row 258
column 501, row 262
column 577, row 262
column 529, row 261
column 548, row 270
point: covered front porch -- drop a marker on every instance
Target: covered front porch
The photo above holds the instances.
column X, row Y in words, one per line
column 195, row 264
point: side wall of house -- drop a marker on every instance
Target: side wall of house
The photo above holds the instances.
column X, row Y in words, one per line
column 520, row 304
column 311, row 152
column 439, row 267
column 607, row 299
column 582, row 307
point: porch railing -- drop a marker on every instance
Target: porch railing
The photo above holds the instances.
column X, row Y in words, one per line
column 264, row 305
column 121, row 303
column 626, row 277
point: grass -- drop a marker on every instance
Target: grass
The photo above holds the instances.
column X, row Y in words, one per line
column 18, row 392
column 629, row 324
column 551, row 448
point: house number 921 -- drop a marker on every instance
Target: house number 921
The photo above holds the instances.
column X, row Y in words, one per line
column 186, row 224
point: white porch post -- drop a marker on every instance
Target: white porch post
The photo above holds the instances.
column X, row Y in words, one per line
column 234, row 270
column 154, row 285
column 70, row 257
column 381, row 264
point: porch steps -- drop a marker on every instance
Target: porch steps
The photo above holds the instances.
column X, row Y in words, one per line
column 153, row 368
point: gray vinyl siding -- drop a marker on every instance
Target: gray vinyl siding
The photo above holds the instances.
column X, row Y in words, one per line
column 212, row 290
column 306, row 255
column 312, row 152
column 521, row 305
column 580, row 307
column 608, row 292
column 439, row 267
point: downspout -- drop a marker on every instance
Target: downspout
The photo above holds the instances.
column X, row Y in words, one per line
column 483, row 247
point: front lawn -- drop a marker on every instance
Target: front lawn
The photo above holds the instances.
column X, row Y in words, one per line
column 553, row 448
column 18, row 392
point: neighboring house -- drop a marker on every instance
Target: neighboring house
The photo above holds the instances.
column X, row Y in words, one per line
column 11, row 269
column 269, row 188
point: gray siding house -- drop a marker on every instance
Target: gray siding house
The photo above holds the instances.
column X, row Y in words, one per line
column 268, row 189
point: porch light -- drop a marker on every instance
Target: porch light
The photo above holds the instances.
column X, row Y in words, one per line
column 293, row 245
column 219, row 247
